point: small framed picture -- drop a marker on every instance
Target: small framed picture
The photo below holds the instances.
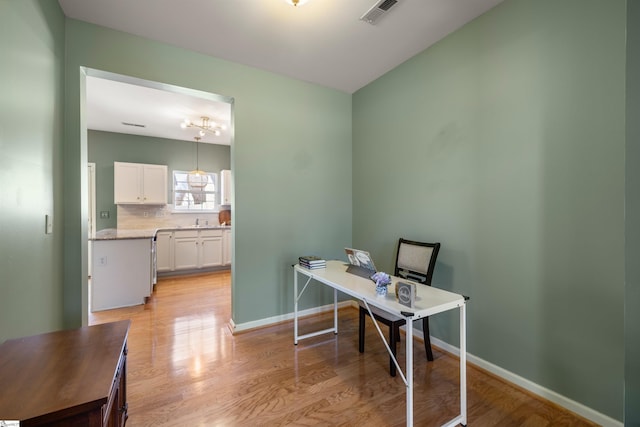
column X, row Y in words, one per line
column 406, row 293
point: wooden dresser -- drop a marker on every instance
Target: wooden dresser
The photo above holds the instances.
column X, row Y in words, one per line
column 66, row 378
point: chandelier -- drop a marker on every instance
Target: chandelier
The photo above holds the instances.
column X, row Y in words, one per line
column 197, row 178
column 206, row 126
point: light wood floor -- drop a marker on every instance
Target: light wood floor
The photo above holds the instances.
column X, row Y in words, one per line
column 185, row 368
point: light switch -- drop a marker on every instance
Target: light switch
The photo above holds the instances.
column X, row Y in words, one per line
column 48, row 221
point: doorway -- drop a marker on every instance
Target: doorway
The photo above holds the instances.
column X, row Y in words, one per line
column 103, row 109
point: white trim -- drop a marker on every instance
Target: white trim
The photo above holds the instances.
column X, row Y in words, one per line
column 241, row 327
column 91, row 176
column 526, row 384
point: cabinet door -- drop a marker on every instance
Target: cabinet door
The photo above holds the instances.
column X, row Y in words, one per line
column 185, row 250
column 127, row 183
column 154, row 184
column 225, row 187
column 226, row 247
column 164, row 251
column 210, row 251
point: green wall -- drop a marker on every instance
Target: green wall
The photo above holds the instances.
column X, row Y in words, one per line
column 632, row 215
column 104, row 148
column 505, row 142
column 31, row 108
column 290, row 137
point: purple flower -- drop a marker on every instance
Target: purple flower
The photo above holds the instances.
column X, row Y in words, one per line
column 381, row 278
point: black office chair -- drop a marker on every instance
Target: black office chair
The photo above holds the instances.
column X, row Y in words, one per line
column 415, row 261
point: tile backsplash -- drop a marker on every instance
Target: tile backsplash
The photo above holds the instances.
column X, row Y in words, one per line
column 139, row 217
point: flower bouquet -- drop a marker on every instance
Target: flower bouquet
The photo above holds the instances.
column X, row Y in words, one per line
column 382, row 280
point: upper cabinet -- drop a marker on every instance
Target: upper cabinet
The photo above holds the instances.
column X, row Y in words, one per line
column 225, row 187
column 137, row 183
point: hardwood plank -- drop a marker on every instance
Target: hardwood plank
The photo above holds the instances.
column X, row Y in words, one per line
column 186, row 368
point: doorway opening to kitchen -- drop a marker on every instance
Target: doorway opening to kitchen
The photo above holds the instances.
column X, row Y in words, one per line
column 156, row 133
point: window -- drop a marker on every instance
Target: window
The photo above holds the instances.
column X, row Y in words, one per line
column 194, row 195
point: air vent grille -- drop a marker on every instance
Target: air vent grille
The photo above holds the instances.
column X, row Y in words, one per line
column 386, row 4
column 377, row 10
column 134, row 125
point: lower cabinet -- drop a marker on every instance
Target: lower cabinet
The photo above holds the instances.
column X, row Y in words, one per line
column 189, row 249
column 226, row 247
column 121, row 272
column 210, row 249
column 185, row 250
column 164, row 251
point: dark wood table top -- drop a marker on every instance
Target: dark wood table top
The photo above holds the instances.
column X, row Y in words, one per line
column 44, row 374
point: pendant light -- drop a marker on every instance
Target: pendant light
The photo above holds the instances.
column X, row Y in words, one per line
column 197, row 178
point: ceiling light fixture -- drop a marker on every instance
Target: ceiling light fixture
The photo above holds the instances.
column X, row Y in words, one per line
column 206, row 126
column 197, row 178
column 296, row 2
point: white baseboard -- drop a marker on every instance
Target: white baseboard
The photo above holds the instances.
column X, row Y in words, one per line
column 241, row 327
column 524, row 383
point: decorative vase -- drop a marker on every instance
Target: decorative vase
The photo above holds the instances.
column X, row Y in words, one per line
column 381, row 290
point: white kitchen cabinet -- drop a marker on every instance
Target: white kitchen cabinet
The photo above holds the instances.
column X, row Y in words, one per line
column 121, row 273
column 226, row 247
column 195, row 249
column 185, row 249
column 225, row 187
column 164, row 251
column 138, row 183
column 210, row 248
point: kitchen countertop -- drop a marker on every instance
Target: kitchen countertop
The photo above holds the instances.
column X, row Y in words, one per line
column 150, row 233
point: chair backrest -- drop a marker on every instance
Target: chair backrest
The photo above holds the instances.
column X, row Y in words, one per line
column 416, row 260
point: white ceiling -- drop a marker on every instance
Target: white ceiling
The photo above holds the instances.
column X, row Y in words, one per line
column 322, row 42
column 154, row 112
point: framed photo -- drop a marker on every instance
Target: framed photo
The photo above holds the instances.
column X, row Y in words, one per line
column 406, row 293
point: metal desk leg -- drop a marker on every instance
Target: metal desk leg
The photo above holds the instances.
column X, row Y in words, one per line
column 409, row 369
column 296, row 336
column 463, row 364
column 295, row 307
column 335, row 311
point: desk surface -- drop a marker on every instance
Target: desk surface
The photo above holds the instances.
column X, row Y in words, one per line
column 47, row 373
column 429, row 300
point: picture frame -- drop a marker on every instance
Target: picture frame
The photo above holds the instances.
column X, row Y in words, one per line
column 406, row 293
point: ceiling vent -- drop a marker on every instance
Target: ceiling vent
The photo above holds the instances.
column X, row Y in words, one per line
column 374, row 14
column 136, row 125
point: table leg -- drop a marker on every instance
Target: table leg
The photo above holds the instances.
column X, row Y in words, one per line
column 295, row 307
column 335, row 311
column 409, row 370
column 463, row 364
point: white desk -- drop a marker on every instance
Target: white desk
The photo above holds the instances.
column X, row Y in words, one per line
column 430, row 301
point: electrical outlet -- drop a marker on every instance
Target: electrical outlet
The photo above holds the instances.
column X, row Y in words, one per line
column 104, row 214
column 146, row 214
column 102, row 260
